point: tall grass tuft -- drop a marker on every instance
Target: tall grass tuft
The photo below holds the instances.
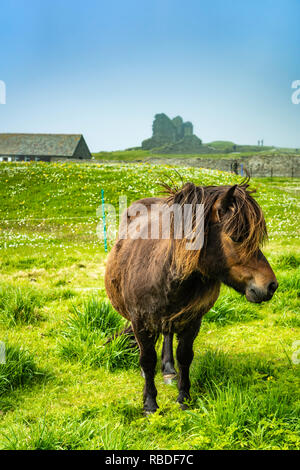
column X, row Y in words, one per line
column 288, row 282
column 19, row 369
column 229, row 310
column 19, row 305
column 66, row 434
column 114, row 438
column 215, row 368
column 22, row 305
column 85, row 336
column 288, row 321
column 287, row 261
column 243, row 402
column 235, row 418
column 119, row 354
column 96, row 315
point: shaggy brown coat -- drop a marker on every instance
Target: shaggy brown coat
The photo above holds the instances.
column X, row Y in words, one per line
column 161, row 287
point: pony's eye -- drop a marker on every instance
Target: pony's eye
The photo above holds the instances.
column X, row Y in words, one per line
column 237, row 239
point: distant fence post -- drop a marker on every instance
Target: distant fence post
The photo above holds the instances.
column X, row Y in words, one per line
column 292, row 172
column 271, row 172
column 242, row 169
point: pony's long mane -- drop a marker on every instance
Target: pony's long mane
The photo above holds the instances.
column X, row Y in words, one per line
column 244, row 223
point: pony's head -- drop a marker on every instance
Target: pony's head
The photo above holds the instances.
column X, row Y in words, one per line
column 234, row 230
column 238, row 225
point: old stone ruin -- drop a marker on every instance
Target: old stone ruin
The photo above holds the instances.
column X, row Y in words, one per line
column 172, row 136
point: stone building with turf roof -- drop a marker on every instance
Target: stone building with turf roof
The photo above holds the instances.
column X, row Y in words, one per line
column 43, row 147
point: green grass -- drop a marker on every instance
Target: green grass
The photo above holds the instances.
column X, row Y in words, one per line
column 288, row 282
column 23, row 305
column 63, row 388
column 96, row 315
column 216, row 149
column 231, row 309
column 42, row 435
column 19, row 305
column 287, row 261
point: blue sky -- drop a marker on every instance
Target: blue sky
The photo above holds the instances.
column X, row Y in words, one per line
column 105, row 68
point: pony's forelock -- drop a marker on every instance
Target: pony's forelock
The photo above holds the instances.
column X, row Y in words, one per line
column 244, row 223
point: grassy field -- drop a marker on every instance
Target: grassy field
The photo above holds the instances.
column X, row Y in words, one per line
column 62, row 388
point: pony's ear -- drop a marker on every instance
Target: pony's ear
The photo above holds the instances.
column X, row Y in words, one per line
column 222, row 204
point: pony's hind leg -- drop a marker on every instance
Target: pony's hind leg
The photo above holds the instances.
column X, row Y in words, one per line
column 167, row 359
column 148, row 359
column 185, row 356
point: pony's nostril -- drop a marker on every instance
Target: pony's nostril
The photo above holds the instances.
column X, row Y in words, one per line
column 272, row 287
column 253, row 293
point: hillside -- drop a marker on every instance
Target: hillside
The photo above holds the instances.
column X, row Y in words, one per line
column 217, row 149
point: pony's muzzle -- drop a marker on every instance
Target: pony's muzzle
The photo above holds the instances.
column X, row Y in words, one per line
column 257, row 294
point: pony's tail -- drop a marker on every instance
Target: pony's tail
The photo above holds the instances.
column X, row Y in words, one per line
column 126, row 331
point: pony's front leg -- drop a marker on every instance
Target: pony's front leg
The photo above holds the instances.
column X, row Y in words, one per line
column 185, row 356
column 167, row 359
column 148, row 359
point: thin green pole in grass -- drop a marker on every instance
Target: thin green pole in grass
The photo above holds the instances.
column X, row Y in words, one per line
column 104, row 221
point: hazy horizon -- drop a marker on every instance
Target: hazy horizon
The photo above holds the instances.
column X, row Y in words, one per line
column 104, row 70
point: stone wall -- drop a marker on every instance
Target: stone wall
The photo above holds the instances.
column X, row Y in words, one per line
column 260, row 166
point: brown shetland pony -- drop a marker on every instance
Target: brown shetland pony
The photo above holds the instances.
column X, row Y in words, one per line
column 161, row 287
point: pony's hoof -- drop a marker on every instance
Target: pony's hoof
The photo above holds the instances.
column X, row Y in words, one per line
column 169, row 378
column 184, row 402
column 184, row 406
